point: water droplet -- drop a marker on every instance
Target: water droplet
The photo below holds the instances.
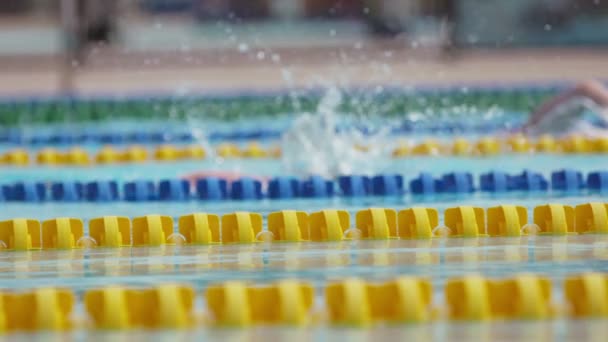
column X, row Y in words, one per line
column 276, row 58
column 86, row 242
column 441, row 231
column 530, row 229
column 265, row 236
column 176, row 239
column 3, row 245
column 548, row 27
column 332, row 33
column 243, row 47
column 261, row 55
column 352, row 234
column 472, row 39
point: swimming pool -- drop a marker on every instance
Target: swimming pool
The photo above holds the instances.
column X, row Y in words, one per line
column 439, row 259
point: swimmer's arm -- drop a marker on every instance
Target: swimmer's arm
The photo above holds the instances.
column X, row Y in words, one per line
column 593, row 90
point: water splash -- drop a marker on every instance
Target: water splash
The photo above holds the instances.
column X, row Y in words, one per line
column 441, row 231
column 176, row 239
column 265, row 236
column 530, row 229
column 86, row 242
column 353, row 234
column 319, row 143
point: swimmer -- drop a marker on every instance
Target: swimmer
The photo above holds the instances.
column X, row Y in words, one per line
column 582, row 109
column 313, row 145
column 229, row 176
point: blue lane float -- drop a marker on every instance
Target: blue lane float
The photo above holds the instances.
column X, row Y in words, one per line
column 529, row 181
column 387, row 185
column 354, row 185
column 67, row 191
column 495, row 182
column 139, row 191
column 27, row 192
column 246, row 189
column 283, row 188
column 138, row 137
column 562, row 181
column 457, row 182
column 173, row 190
column 316, row 187
column 212, row 188
column 598, row 181
column 567, row 180
column 101, row 191
column 425, row 184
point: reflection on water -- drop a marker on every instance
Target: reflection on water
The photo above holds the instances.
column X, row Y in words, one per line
column 372, row 259
column 582, row 330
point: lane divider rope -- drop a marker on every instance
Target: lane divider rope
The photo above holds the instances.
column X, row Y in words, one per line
column 351, row 302
column 297, row 226
column 79, row 156
column 424, row 187
column 486, row 146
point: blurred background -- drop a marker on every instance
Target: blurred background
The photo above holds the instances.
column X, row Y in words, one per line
column 129, row 46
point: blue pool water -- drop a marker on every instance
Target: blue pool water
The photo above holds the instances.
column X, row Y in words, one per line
column 410, row 168
column 437, row 259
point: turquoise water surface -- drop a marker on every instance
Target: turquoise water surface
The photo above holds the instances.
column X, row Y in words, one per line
column 437, row 259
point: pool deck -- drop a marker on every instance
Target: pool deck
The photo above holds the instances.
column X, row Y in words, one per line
column 374, row 63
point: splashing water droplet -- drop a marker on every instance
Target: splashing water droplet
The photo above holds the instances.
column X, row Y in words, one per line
column 86, row 242
column 3, row 245
column 265, row 236
column 322, row 143
column 530, row 229
column 441, row 231
column 243, row 47
column 176, row 239
column 352, row 234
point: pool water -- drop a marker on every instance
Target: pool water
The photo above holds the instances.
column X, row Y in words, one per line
column 438, row 259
